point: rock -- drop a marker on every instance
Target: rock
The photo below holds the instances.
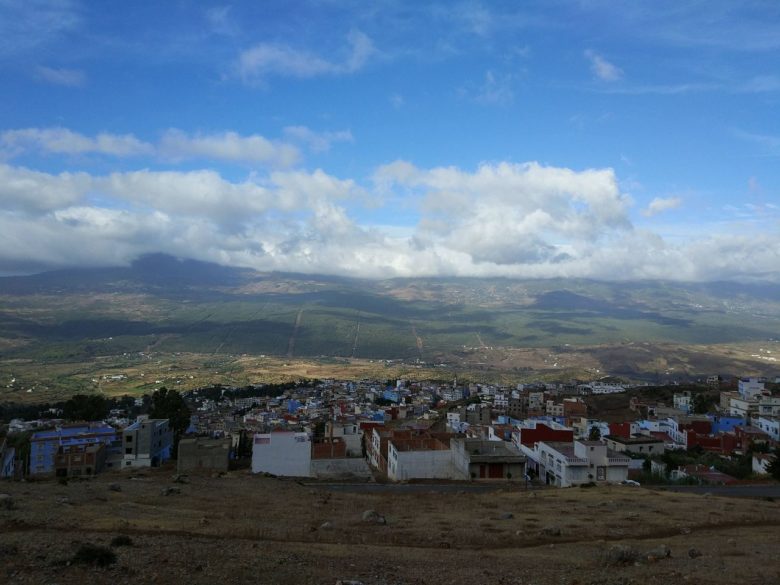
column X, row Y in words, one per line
column 348, row 582
column 621, row 554
column 6, row 502
column 633, row 515
column 169, row 491
column 180, row 478
column 731, row 542
column 115, row 487
column 326, row 526
column 506, row 516
column 204, row 521
column 685, row 530
column 372, row 517
column 551, row 531
column 658, row 553
column 694, row 553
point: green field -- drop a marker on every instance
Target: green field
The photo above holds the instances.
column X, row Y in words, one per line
column 169, row 307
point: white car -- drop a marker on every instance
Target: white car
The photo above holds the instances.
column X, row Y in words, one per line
column 630, row 482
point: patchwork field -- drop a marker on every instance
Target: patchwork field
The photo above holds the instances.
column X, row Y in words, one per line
column 195, row 322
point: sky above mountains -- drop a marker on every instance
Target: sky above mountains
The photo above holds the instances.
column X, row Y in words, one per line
column 550, row 138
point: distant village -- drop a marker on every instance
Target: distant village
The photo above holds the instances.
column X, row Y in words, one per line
column 370, row 430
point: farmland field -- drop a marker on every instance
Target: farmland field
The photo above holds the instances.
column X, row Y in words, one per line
column 160, row 308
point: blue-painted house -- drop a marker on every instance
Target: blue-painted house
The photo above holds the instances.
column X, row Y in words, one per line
column 45, row 444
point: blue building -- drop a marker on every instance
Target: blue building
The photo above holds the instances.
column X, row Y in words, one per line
column 725, row 424
column 45, row 444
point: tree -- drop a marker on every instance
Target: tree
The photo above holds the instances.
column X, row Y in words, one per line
column 169, row 404
column 594, row 434
column 86, row 407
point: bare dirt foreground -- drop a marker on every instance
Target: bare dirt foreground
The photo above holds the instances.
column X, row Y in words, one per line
column 252, row 529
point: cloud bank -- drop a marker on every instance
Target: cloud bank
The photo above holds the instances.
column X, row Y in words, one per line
column 501, row 219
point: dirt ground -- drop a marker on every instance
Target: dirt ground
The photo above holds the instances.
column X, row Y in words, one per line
column 253, row 529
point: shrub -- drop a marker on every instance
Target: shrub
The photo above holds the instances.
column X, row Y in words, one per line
column 122, row 540
column 92, row 554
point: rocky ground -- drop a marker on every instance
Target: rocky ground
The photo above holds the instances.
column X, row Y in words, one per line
column 148, row 528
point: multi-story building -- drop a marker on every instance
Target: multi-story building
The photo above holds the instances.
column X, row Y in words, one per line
column 770, row 425
column 569, row 464
column 147, row 442
column 44, row 445
column 641, row 445
column 80, row 460
column 750, row 388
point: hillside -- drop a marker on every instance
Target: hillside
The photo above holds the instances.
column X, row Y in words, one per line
column 554, row 328
column 248, row 529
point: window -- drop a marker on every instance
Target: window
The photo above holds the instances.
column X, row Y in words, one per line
column 129, row 438
column 129, row 451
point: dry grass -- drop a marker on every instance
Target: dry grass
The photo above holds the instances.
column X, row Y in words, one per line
column 553, row 536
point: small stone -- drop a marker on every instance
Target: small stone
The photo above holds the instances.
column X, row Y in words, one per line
column 6, row 502
column 659, row 552
column 506, row 516
column 551, row 531
column 694, row 553
column 169, row 491
column 115, row 487
column 326, row 526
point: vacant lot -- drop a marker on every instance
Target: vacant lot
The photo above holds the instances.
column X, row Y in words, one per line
column 246, row 529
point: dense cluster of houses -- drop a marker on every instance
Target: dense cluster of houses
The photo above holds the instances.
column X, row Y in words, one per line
column 424, row 430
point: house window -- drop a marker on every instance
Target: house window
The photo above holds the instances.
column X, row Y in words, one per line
column 129, row 451
column 129, row 438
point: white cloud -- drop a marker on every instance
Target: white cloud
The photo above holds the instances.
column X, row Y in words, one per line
column 661, row 204
column 26, row 190
column 601, row 68
column 512, row 213
column 26, row 25
column 496, row 89
column 500, row 219
column 174, row 145
column 64, row 141
column 228, row 146
column 267, row 59
column 317, row 141
column 61, row 76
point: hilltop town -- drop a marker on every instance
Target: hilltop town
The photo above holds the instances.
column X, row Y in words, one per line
column 562, row 435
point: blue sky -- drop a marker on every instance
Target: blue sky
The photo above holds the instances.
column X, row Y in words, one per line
column 602, row 139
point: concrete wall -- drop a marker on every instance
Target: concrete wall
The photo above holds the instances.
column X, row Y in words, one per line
column 340, row 468
column 432, row 464
column 203, row 454
column 286, row 453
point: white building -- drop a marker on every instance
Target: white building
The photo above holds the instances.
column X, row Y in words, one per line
column 750, row 388
column 419, row 459
column 770, row 425
column 349, row 432
column 769, row 406
column 683, row 402
column 570, row 464
column 284, row 453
